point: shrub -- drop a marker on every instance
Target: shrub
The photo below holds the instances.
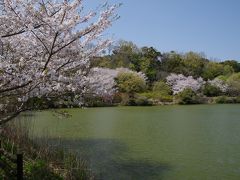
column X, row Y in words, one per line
column 223, row 78
column 158, row 96
column 117, row 98
column 130, row 82
column 140, row 100
column 211, row 91
column 188, row 96
column 226, row 100
column 162, row 88
column 95, row 101
column 221, row 99
column 39, row 170
column 124, row 99
column 135, row 100
column 238, row 99
column 234, row 84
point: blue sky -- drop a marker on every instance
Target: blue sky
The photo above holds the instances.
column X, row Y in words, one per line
column 209, row 26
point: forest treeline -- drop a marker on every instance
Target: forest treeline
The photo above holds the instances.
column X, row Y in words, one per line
column 129, row 75
column 157, row 65
column 165, row 73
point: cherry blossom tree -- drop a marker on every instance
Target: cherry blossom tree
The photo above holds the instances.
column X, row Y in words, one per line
column 179, row 82
column 45, row 49
column 102, row 80
column 219, row 84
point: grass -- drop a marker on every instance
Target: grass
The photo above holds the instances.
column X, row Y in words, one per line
column 41, row 160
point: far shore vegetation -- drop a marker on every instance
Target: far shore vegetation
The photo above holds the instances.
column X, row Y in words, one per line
column 144, row 76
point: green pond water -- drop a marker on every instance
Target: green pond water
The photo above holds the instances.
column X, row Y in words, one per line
column 168, row 142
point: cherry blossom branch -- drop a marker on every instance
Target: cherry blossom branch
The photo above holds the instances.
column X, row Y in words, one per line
column 15, row 87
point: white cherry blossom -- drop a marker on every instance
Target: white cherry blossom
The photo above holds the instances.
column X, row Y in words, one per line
column 179, row 82
column 102, row 80
column 46, row 48
column 219, row 83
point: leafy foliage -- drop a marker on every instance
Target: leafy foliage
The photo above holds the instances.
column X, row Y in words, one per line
column 130, row 83
column 211, row 91
column 158, row 96
column 162, row 88
column 234, row 64
column 234, row 84
column 213, row 69
column 226, row 100
column 188, row 96
column 39, row 170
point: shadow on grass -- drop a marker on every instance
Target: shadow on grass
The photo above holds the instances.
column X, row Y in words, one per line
column 106, row 159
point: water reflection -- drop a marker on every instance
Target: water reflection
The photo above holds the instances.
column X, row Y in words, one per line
column 107, row 159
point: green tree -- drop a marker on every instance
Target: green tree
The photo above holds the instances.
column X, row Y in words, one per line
column 104, row 61
column 213, row 69
column 172, row 63
column 234, row 82
column 126, row 54
column 234, row 64
column 149, row 62
column 194, row 64
column 130, row 83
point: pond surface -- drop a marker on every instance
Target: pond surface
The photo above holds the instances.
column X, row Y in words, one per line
column 167, row 142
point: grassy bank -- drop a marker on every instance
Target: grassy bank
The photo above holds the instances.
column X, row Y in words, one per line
column 41, row 160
